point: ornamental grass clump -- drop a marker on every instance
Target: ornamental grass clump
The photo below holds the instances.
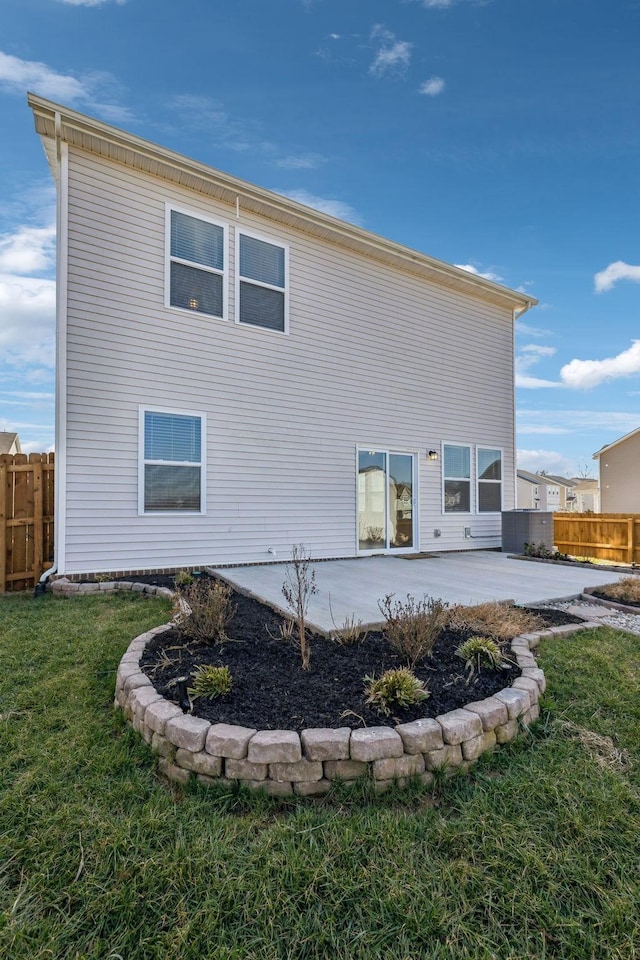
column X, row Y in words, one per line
column 478, row 652
column 502, row 621
column 394, row 690
column 203, row 610
column 412, row 626
column 210, row 682
column 624, row 591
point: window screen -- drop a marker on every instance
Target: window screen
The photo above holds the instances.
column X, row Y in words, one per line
column 196, row 265
column 489, row 480
column 172, row 462
column 457, row 479
column 262, row 288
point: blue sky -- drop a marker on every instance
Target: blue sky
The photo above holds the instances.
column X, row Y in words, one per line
column 499, row 135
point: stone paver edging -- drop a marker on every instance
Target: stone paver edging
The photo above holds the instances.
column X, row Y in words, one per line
column 283, row 762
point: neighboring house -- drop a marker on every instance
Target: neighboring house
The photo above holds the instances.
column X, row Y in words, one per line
column 537, row 492
column 240, row 373
column 587, row 493
column 619, row 464
column 568, row 499
column 10, row 443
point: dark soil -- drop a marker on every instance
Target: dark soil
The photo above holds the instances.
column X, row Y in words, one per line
column 271, row 691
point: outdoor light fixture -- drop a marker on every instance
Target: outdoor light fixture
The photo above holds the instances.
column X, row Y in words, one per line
column 432, row 454
column 180, row 683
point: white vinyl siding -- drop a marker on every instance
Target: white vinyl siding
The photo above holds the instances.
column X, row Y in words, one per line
column 196, row 250
column 261, row 290
column 171, row 472
column 283, row 413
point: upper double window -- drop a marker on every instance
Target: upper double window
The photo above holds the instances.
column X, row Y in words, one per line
column 261, row 292
column 197, row 253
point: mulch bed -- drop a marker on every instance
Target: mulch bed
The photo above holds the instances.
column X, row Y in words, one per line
column 271, row 691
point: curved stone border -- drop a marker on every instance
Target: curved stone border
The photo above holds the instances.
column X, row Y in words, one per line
column 283, row 762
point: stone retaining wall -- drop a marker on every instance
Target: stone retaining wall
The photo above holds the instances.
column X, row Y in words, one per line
column 283, row 762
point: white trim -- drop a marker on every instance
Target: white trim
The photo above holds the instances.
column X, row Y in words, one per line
column 154, row 408
column 62, row 273
column 415, row 498
column 241, row 231
column 443, row 477
column 168, row 259
column 489, row 513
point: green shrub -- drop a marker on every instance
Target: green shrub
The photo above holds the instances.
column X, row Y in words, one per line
column 478, row 652
column 395, row 689
column 183, row 578
column 209, row 681
column 412, row 626
column 203, row 611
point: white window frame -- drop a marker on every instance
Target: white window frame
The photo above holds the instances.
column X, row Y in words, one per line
column 169, row 259
column 241, row 232
column 489, row 446
column 415, row 480
column 142, row 461
column 459, row 513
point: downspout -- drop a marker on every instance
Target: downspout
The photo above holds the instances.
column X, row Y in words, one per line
column 517, row 315
column 61, row 282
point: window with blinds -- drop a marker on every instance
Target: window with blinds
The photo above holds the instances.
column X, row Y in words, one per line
column 457, row 478
column 489, row 475
column 171, row 475
column 262, row 283
column 196, row 273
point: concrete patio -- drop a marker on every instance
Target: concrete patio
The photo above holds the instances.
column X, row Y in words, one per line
column 352, row 588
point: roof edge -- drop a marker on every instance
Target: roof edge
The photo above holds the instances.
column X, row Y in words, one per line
column 615, row 443
column 304, row 216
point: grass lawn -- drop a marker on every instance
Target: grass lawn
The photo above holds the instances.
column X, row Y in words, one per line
column 537, row 855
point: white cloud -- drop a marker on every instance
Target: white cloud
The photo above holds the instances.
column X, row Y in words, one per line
column 393, row 55
column 432, row 87
column 584, row 374
column 335, row 208
column 485, row 274
column 27, row 308
column 528, row 356
column 17, row 76
column 28, row 250
column 529, row 331
column 614, row 272
column 91, row 3
column 305, row 161
column 543, row 429
column 548, row 460
column 614, row 422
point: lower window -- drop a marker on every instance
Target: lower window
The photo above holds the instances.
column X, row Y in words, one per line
column 171, row 467
column 489, row 480
column 457, row 478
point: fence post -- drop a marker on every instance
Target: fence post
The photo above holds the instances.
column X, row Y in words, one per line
column 36, row 460
column 630, row 543
column 3, row 523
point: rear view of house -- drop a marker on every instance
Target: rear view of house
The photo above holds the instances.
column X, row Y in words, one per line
column 238, row 372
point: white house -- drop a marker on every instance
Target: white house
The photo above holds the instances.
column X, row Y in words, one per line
column 238, row 373
column 537, row 492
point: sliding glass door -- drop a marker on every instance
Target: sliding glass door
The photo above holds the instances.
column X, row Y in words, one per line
column 386, row 502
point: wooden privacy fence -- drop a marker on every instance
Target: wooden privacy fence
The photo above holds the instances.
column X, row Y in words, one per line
column 603, row 536
column 26, row 518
